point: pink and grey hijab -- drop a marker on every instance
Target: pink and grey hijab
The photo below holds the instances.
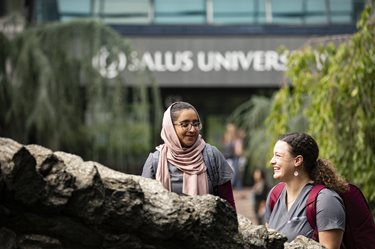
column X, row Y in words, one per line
column 188, row 160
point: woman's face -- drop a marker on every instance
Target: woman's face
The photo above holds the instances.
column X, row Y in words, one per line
column 185, row 127
column 282, row 161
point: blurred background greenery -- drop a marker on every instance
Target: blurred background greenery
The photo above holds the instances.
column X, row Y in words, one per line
column 331, row 97
column 53, row 96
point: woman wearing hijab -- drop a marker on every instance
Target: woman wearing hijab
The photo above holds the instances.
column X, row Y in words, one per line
column 185, row 163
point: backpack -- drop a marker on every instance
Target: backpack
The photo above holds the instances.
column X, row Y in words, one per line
column 360, row 227
column 208, row 158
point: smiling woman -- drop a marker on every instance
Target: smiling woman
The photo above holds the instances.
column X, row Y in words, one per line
column 296, row 163
column 187, row 127
column 185, row 163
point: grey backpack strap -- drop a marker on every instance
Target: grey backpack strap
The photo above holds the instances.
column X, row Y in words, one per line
column 212, row 169
column 155, row 161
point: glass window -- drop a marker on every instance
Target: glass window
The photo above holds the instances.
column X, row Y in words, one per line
column 243, row 11
column 316, row 12
column 72, row 9
column 180, row 11
column 341, row 11
column 110, row 11
column 125, row 11
column 287, row 11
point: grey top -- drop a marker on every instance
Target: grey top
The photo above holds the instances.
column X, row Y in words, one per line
column 225, row 172
column 330, row 214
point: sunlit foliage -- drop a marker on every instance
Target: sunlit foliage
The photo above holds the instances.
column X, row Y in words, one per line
column 333, row 85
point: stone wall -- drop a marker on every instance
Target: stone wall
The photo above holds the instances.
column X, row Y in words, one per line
column 56, row 200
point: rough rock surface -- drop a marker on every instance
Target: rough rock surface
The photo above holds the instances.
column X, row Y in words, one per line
column 56, row 200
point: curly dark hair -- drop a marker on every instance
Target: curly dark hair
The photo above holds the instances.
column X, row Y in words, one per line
column 321, row 171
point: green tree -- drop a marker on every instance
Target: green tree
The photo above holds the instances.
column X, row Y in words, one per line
column 251, row 117
column 62, row 87
column 333, row 86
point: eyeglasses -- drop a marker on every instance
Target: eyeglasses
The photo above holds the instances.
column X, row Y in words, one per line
column 187, row 125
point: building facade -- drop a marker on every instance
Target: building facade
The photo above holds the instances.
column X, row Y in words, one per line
column 215, row 54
